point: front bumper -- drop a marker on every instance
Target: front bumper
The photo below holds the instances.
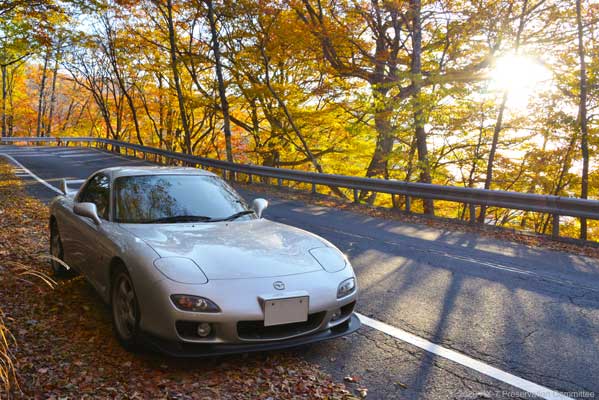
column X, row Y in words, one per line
column 241, row 304
column 194, row 350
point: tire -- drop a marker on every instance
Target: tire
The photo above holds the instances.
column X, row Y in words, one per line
column 125, row 310
column 57, row 251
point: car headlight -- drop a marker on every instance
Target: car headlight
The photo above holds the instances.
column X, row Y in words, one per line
column 194, row 303
column 346, row 287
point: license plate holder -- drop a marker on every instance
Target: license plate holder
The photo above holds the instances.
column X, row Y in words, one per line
column 287, row 310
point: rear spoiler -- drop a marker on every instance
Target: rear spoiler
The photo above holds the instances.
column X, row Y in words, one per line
column 64, row 186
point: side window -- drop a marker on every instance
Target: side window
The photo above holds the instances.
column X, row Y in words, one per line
column 97, row 191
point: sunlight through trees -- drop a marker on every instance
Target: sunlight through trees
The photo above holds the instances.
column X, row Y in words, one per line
column 495, row 94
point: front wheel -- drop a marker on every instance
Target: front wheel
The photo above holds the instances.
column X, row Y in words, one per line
column 125, row 310
column 57, row 251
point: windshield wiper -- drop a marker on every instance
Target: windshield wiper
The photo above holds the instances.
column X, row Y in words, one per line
column 181, row 218
column 197, row 218
column 234, row 216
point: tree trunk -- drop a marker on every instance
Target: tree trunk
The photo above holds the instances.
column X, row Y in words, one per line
column 75, row 123
column 221, row 84
column 4, row 93
column 499, row 122
column 40, row 102
column 475, row 158
column 52, row 96
column 128, row 97
column 378, row 166
column 173, row 55
column 582, row 116
column 160, row 131
column 67, row 116
column 491, row 160
column 477, row 149
column 11, row 115
column 410, row 164
column 496, row 131
column 419, row 117
column 134, row 116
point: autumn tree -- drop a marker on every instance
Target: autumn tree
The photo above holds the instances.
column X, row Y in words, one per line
column 433, row 91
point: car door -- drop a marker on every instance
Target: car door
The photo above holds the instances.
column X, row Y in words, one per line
column 89, row 240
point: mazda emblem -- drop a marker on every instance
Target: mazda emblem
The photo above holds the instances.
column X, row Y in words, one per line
column 279, row 285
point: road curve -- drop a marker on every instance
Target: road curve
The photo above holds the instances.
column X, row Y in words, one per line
column 529, row 312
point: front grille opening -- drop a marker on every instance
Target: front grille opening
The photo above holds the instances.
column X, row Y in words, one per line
column 253, row 330
column 347, row 309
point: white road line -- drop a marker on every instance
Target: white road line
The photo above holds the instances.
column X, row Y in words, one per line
column 452, row 355
column 486, row 369
column 34, row 176
column 77, row 155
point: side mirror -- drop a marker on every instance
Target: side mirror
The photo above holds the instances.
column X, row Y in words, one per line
column 259, row 205
column 88, row 210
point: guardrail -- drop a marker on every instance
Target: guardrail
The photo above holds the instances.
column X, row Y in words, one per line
column 554, row 205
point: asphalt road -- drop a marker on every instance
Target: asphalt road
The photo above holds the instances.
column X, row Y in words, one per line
column 531, row 313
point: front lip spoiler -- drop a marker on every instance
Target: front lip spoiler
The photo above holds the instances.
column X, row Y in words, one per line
column 197, row 350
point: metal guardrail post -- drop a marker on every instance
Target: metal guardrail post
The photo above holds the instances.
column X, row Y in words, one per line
column 356, row 196
column 408, row 204
column 472, row 213
column 555, row 226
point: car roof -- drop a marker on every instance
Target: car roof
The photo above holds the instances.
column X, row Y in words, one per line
column 116, row 172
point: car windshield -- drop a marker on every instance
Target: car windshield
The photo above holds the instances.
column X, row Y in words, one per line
column 176, row 198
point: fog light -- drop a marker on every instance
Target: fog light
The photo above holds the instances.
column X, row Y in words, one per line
column 336, row 315
column 204, row 329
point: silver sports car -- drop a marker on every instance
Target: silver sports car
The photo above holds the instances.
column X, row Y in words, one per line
column 188, row 267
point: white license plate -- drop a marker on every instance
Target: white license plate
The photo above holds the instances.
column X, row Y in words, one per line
column 285, row 311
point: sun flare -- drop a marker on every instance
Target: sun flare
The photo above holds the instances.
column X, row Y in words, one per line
column 522, row 76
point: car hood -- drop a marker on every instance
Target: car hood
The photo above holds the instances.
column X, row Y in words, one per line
column 235, row 250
